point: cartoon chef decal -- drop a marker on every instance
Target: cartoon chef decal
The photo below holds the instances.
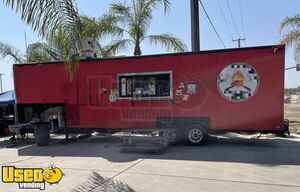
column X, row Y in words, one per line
column 238, row 82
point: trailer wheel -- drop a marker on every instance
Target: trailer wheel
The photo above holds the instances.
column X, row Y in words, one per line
column 196, row 135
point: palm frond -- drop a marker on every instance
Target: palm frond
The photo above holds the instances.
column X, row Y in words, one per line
column 135, row 19
column 44, row 16
column 48, row 16
column 54, row 53
column 117, row 46
column 38, row 52
column 146, row 9
column 293, row 22
column 89, row 25
column 168, row 41
column 167, row 5
column 144, row 14
column 10, row 51
column 60, row 43
column 71, row 64
column 292, row 37
column 122, row 11
column 104, row 26
column 104, row 51
column 290, row 28
column 156, row 3
column 108, row 25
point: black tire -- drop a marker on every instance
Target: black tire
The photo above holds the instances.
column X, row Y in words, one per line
column 196, row 135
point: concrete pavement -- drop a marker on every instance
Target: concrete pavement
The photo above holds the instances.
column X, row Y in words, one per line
column 223, row 164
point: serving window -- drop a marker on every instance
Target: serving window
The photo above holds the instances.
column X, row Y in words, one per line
column 156, row 85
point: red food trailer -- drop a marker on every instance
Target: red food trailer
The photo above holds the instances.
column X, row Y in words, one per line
column 236, row 90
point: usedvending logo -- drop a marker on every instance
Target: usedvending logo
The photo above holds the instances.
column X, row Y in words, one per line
column 238, row 82
column 31, row 178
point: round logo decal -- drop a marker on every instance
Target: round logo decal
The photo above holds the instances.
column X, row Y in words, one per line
column 238, row 82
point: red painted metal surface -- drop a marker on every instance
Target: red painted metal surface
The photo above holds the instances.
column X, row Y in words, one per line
column 87, row 107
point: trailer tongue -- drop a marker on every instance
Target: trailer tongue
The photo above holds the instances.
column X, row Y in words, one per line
column 236, row 90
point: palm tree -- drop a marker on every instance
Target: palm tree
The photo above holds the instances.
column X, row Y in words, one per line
column 9, row 50
column 45, row 16
column 290, row 28
column 49, row 16
column 100, row 29
column 58, row 17
column 59, row 46
column 35, row 52
column 134, row 19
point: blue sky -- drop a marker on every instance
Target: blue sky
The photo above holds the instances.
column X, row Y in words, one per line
column 261, row 21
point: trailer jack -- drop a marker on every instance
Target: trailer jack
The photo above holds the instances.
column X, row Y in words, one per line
column 286, row 125
column 286, row 131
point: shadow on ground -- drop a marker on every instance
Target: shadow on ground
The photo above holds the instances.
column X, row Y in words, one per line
column 96, row 182
column 266, row 151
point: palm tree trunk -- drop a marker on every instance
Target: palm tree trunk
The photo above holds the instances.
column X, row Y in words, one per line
column 137, row 49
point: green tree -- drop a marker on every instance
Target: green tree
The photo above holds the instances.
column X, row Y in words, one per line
column 134, row 19
column 58, row 46
column 36, row 52
column 290, row 30
column 48, row 18
column 7, row 50
column 59, row 20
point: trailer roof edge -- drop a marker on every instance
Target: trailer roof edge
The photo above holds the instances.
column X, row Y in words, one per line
column 158, row 55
